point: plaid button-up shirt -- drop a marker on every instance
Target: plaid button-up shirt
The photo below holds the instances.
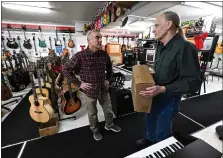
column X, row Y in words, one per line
column 92, row 67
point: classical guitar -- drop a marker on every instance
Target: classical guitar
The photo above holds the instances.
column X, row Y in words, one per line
column 40, row 109
column 11, row 41
column 26, row 43
column 42, row 42
column 70, row 41
column 70, row 103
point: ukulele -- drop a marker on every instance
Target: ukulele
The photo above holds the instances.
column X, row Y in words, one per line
column 40, row 109
column 26, row 43
column 70, row 103
column 70, row 41
column 42, row 42
column 11, row 41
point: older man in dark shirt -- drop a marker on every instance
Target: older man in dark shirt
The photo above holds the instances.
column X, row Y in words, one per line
column 95, row 69
column 177, row 71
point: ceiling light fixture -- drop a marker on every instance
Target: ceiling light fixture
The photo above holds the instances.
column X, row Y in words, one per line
column 26, row 8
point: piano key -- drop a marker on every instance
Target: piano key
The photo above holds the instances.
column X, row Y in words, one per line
column 176, row 146
column 160, row 155
column 169, row 150
column 150, row 156
column 175, row 149
column 180, row 144
column 164, row 152
column 156, row 155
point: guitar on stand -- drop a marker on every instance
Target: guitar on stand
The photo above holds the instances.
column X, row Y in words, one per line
column 40, row 109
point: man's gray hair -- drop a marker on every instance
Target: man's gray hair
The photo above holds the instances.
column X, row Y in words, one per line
column 174, row 17
column 89, row 33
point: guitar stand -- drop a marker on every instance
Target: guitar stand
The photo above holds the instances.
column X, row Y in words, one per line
column 16, row 100
column 60, row 119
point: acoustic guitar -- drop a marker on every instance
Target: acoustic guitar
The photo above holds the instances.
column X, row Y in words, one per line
column 40, row 109
column 70, row 103
column 70, row 41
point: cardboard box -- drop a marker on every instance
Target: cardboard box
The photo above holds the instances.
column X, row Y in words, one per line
column 49, row 128
column 141, row 79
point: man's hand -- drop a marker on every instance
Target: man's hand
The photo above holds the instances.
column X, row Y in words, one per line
column 106, row 84
column 152, row 91
column 85, row 86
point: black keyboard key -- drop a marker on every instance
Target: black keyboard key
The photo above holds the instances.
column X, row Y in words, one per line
column 160, row 155
column 173, row 147
column 180, row 144
column 176, row 146
column 169, row 150
column 164, row 152
column 156, row 155
column 150, row 156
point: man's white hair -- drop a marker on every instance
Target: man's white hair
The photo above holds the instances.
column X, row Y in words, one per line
column 90, row 32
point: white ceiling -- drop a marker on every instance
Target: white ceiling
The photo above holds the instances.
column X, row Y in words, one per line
column 62, row 12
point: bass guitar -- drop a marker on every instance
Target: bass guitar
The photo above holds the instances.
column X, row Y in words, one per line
column 42, row 42
column 70, row 103
column 40, row 109
column 26, row 43
column 57, row 41
column 36, row 54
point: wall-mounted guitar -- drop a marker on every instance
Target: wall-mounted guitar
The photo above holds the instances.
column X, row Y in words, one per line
column 26, row 43
column 42, row 42
column 57, row 41
column 65, row 50
column 36, row 53
column 40, row 109
column 11, row 41
column 23, row 54
column 70, row 41
column 70, row 103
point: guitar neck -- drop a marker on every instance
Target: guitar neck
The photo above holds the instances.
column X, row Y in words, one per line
column 34, row 41
column 33, row 86
column 39, row 80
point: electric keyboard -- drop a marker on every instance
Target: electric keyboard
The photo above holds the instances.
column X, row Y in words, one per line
column 171, row 148
column 159, row 150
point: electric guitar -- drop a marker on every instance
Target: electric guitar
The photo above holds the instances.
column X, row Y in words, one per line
column 26, row 43
column 57, row 41
column 70, row 41
column 36, row 53
column 42, row 42
column 11, row 41
column 40, row 109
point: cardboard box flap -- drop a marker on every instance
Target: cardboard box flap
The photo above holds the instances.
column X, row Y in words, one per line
column 142, row 75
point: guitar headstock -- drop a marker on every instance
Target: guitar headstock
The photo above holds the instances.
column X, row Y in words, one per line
column 39, row 28
column 3, row 38
column 50, row 38
column 18, row 38
column 23, row 27
column 34, row 37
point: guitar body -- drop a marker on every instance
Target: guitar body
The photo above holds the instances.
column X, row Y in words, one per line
column 42, row 113
column 70, row 105
column 42, row 44
column 45, row 92
column 71, row 43
column 27, row 44
column 12, row 43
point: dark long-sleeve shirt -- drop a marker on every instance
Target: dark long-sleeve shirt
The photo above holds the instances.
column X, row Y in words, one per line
column 177, row 66
column 93, row 68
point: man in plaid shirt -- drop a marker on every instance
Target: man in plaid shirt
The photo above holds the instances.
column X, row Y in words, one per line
column 95, row 69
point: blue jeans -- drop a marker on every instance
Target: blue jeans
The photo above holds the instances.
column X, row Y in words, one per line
column 159, row 120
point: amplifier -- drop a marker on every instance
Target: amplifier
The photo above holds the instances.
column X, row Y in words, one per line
column 121, row 101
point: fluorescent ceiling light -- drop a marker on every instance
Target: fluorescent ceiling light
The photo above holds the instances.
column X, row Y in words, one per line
column 34, row 4
column 26, row 8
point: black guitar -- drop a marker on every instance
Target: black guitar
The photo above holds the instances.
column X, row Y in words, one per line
column 11, row 41
column 36, row 54
column 22, row 54
column 26, row 43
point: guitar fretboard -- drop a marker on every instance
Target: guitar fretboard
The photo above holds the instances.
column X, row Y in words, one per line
column 33, row 86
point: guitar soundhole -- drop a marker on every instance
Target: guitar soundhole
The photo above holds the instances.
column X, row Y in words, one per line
column 36, row 103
